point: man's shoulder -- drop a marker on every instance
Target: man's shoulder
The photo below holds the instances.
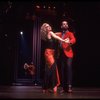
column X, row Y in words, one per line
column 69, row 32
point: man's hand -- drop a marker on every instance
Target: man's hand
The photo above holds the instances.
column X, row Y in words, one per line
column 67, row 40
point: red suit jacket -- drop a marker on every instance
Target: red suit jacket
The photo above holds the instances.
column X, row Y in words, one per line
column 67, row 47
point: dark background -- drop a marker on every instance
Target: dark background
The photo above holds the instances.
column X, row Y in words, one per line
column 84, row 20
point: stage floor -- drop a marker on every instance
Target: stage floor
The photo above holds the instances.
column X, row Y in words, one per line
column 35, row 92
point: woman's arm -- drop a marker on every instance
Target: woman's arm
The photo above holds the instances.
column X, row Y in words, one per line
column 56, row 37
column 57, row 33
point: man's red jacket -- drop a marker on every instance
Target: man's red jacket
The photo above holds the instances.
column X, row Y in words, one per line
column 67, row 47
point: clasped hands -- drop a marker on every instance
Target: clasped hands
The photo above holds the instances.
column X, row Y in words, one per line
column 67, row 40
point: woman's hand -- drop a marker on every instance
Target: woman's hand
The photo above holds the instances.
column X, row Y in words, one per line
column 67, row 40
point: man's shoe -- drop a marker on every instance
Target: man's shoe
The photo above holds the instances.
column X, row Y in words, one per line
column 69, row 89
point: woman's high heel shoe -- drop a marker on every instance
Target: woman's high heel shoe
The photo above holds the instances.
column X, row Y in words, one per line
column 55, row 89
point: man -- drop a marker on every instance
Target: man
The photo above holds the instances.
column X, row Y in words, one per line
column 66, row 57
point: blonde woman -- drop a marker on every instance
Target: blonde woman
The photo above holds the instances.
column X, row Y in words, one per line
column 51, row 77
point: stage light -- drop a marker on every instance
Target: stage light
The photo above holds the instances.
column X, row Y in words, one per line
column 37, row 6
column 5, row 35
column 21, row 33
column 49, row 7
column 43, row 6
column 54, row 7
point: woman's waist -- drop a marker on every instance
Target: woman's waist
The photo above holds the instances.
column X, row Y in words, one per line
column 49, row 51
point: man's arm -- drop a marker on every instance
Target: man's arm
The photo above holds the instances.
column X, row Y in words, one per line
column 72, row 39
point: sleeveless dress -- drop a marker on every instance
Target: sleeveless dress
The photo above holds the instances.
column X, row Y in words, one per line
column 51, row 77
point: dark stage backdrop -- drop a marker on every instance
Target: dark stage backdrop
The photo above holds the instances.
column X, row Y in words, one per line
column 84, row 19
column 28, row 50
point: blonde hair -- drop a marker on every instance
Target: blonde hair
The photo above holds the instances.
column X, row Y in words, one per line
column 43, row 31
